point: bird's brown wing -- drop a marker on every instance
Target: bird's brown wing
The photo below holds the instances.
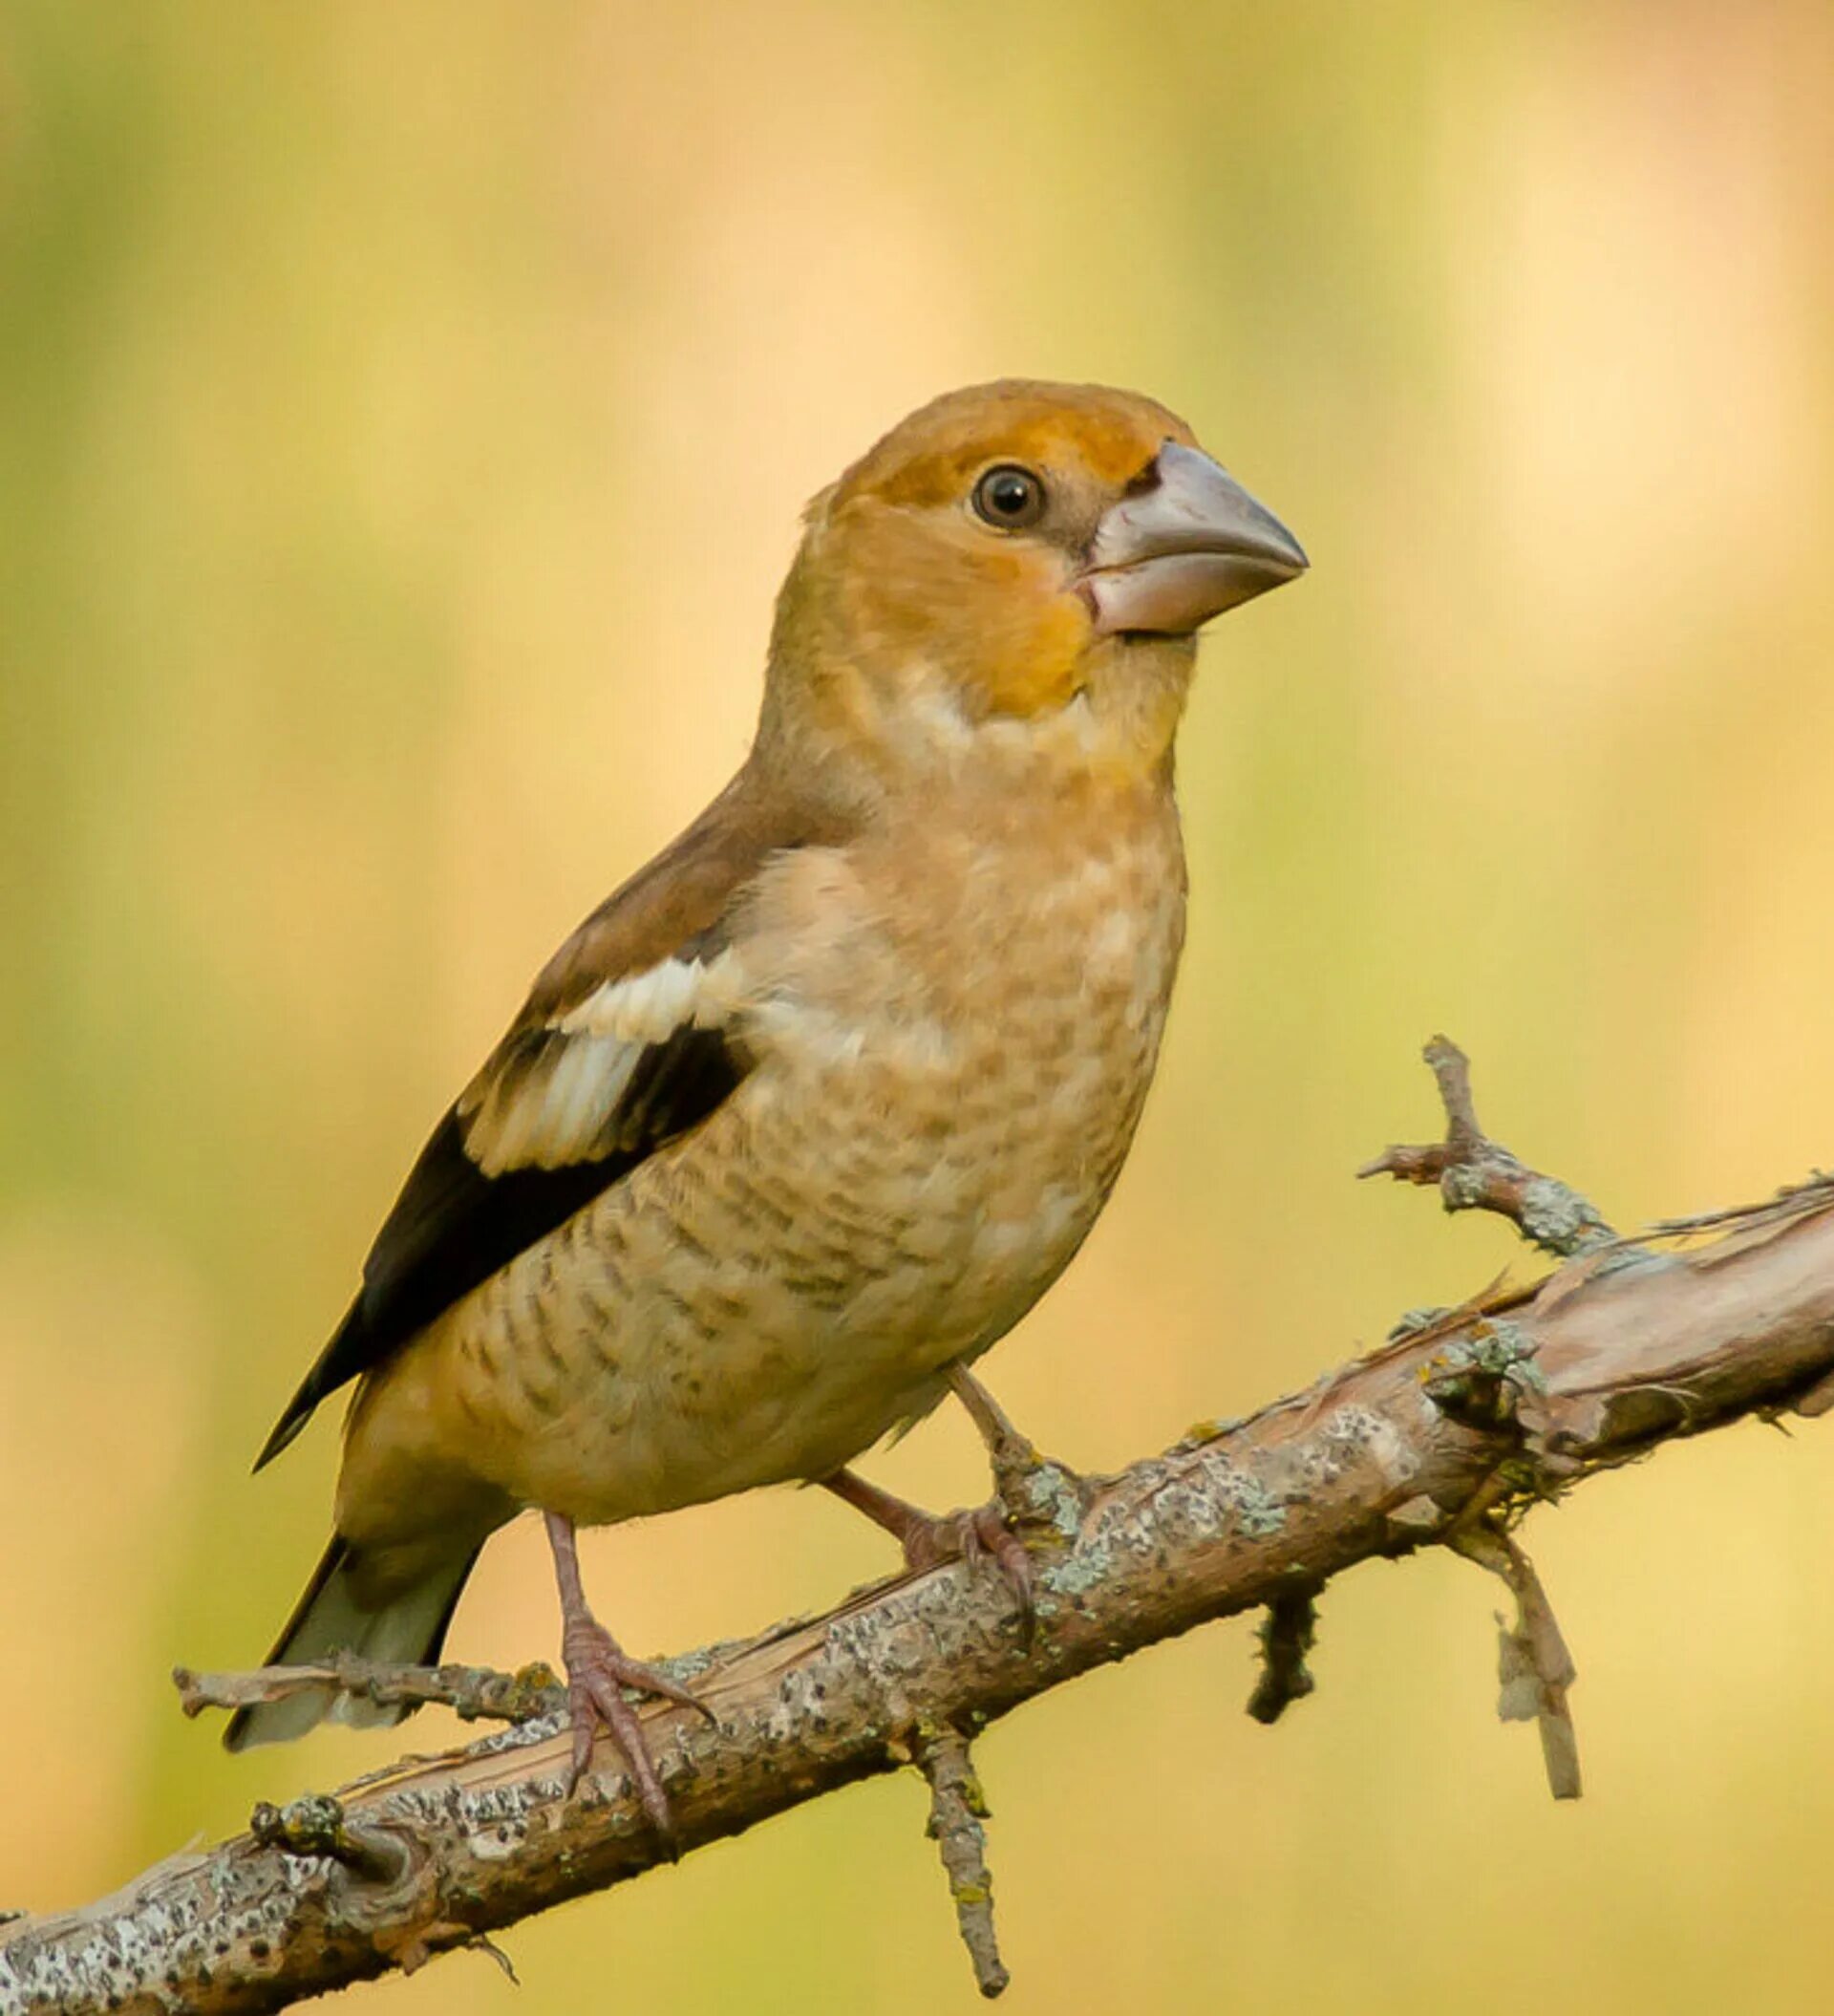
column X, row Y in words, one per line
column 620, row 1047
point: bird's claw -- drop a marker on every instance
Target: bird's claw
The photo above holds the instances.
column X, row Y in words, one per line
column 972, row 1537
column 598, row 1670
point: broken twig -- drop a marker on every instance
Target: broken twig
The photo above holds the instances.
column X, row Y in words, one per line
column 958, row 1806
column 1287, row 1635
column 1533, row 1665
column 318, row 1825
column 1475, row 1174
column 473, row 1693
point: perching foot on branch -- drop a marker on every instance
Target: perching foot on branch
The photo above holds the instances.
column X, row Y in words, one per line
column 929, row 1539
column 1475, row 1174
column 988, row 1531
column 598, row 1670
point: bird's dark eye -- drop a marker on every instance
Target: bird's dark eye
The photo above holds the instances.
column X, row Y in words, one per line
column 1010, row 497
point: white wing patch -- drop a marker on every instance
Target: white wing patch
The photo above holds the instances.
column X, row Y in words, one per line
column 558, row 1111
column 649, row 1007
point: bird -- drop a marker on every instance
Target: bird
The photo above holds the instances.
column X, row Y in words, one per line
column 812, row 1110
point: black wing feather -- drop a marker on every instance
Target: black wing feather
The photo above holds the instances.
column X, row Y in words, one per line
column 452, row 1227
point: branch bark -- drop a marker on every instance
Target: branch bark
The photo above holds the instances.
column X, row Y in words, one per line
column 1445, row 1434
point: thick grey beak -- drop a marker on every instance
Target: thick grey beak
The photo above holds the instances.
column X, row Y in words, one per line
column 1195, row 543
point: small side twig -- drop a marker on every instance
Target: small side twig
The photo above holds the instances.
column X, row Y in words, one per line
column 1287, row 1634
column 958, row 1806
column 1475, row 1174
column 1534, row 1667
column 472, row 1693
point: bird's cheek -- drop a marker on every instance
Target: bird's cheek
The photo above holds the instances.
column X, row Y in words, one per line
column 1030, row 659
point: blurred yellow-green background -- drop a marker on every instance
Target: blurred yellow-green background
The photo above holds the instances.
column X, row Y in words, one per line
column 403, row 415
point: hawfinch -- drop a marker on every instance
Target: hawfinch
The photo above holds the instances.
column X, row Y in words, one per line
column 815, row 1107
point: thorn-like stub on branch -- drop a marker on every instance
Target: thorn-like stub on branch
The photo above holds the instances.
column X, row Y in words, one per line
column 482, row 1942
column 958, row 1806
column 316, row 1825
column 1474, row 1174
column 1479, row 1379
column 1288, row 1632
column 1534, row 1667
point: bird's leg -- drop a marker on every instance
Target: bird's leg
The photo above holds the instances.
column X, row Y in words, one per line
column 931, row 1538
column 597, row 1671
column 1012, row 1455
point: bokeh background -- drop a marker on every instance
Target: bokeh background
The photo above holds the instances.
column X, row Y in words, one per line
column 403, row 415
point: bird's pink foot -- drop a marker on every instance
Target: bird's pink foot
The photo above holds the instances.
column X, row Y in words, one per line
column 931, row 1538
column 983, row 1533
column 598, row 1670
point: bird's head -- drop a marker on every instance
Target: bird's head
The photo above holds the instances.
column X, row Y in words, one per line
column 1015, row 564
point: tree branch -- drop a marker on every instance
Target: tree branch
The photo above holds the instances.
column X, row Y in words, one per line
column 1446, row 1433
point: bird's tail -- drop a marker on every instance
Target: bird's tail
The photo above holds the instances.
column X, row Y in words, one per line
column 407, row 1629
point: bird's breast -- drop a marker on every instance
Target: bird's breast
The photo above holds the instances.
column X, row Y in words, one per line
column 977, row 1015
column 951, row 1046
